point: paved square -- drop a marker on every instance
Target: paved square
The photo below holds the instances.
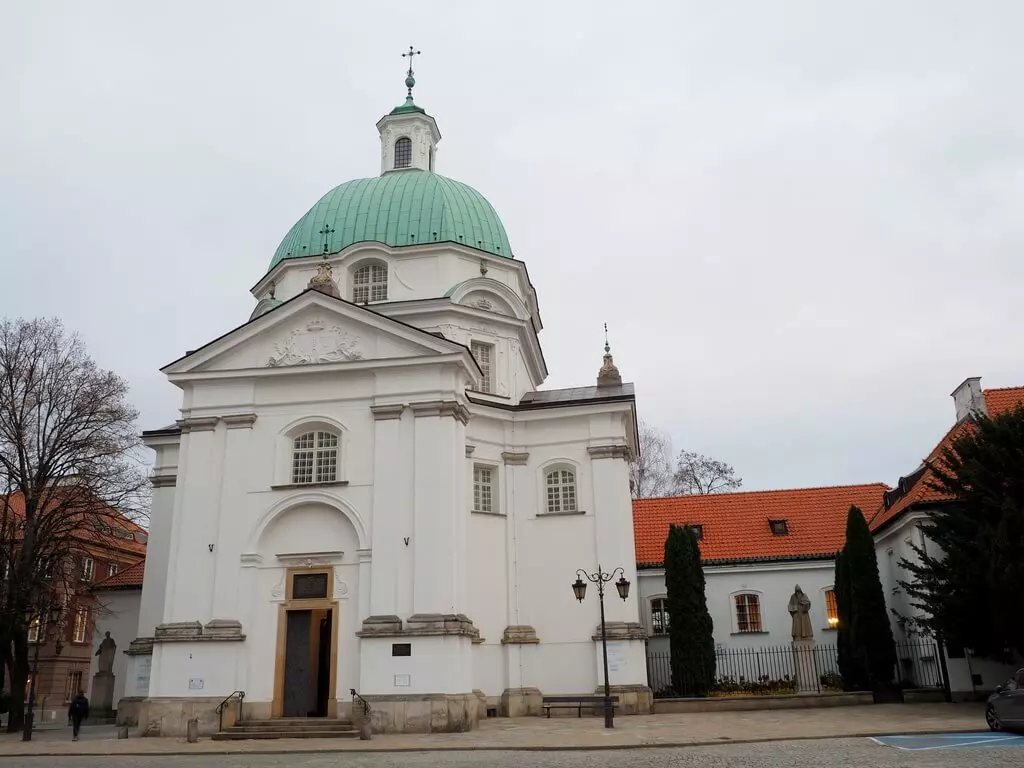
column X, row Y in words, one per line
column 929, row 742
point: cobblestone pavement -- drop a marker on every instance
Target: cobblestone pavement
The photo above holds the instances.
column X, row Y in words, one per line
column 832, row 753
column 556, row 733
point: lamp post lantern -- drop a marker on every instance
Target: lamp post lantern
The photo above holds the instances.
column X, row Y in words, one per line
column 579, row 590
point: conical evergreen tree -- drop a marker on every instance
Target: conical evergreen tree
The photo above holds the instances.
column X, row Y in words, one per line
column 852, row 666
column 690, row 629
column 868, row 648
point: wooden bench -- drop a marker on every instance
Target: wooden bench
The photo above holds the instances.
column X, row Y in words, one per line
column 575, row 702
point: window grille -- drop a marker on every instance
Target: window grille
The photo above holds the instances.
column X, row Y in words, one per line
column 403, row 152
column 561, row 487
column 748, row 613
column 484, row 354
column 315, row 458
column 370, row 283
column 483, row 489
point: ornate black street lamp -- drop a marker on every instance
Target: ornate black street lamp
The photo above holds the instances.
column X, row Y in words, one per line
column 579, row 589
column 50, row 615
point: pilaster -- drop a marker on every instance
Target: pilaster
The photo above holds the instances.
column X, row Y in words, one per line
column 389, row 531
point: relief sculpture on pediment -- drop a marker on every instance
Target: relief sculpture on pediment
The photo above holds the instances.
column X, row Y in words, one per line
column 314, row 343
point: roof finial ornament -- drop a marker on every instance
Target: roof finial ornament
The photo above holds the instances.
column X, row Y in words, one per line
column 326, row 231
column 608, row 376
column 273, row 288
column 410, row 81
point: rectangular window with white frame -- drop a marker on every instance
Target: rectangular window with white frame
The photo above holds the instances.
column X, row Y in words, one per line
column 88, row 568
column 484, row 355
column 81, row 625
column 748, row 613
column 485, row 498
column 659, row 616
column 35, row 630
column 73, row 685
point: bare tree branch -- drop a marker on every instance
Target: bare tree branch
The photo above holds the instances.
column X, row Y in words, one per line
column 71, row 475
column 650, row 472
column 697, row 474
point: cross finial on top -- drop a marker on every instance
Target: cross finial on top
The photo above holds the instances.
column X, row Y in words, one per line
column 326, row 231
column 607, row 348
column 410, row 81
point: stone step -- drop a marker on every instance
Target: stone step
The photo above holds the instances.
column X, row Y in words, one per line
column 327, row 733
column 289, row 729
column 292, row 721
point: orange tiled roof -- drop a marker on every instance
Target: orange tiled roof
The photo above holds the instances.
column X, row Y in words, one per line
column 124, row 579
column 735, row 525
column 88, row 534
column 916, row 488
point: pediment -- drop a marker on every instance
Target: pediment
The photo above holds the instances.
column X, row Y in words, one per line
column 312, row 329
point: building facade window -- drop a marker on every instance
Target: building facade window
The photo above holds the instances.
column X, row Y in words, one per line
column 34, row 630
column 403, row 152
column 81, row 625
column 73, row 685
column 484, row 355
column 779, row 527
column 831, row 608
column 112, row 568
column 483, row 489
column 748, row 613
column 659, row 616
column 88, row 568
column 370, row 283
column 561, row 491
column 315, row 458
column 698, row 530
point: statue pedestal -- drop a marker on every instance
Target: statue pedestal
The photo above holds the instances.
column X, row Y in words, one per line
column 805, row 666
column 102, row 699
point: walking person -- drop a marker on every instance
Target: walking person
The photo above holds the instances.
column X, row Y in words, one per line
column 77, row 712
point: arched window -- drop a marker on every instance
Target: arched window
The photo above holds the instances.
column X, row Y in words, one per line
column 403, row 152
column 831, row 608
column 561, row 488
column 315, row 458
column 370, row 283
column 748, row 612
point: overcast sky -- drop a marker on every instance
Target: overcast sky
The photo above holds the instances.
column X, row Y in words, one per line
column 802, row 221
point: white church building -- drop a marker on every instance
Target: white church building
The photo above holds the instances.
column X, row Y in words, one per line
column 367, row 490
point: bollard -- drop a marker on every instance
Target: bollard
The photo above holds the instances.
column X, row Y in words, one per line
column 122, row 732
column 193, row 730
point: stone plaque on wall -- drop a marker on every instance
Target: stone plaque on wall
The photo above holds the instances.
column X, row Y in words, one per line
column 143, row 665
column 616, row 656
column 309, row 586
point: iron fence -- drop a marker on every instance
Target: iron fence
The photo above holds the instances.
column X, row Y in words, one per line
column 773, row 670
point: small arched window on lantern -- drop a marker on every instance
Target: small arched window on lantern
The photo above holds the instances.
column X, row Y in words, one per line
column 403, row 152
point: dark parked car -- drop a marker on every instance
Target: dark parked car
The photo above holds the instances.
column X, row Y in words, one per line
column 1005, row 710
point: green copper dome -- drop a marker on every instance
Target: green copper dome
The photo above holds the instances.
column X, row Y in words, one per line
column 406, row 208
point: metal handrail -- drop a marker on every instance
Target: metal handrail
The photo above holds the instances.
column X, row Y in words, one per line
column 223, row 704
column 364, row 702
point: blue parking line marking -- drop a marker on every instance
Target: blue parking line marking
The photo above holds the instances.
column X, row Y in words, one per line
column 932, row 741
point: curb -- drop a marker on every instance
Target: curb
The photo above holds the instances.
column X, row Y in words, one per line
column 721, row 741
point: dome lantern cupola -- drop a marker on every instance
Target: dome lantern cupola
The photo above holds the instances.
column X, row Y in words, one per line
column 408, row 135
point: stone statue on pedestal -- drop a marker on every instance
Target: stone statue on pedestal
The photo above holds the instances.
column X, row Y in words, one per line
column 103, row 680
column 800, row 610
column 805, row 657
column 106, row 653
